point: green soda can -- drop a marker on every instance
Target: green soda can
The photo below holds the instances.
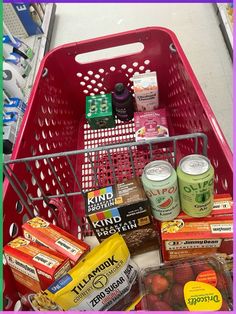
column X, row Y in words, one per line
column 160, row 185
column 196, row 184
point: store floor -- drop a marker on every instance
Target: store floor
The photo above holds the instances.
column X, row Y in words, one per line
column 196, row 26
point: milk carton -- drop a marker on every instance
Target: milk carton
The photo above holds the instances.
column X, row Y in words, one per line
column 146, row 91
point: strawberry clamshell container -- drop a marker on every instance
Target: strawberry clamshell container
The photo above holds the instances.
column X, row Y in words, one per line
column 196, row 284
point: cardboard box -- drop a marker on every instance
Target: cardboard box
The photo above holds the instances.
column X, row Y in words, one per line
column 34, row 267
column 223, row 206
column 122, row 208
column 99, row 113
column 150, row 125
column 47, row 234
column 185, row 238
column 146, row 91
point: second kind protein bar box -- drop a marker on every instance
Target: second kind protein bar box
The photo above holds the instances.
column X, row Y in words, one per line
column 34, row 266
column 41, row 231
column 122, row 208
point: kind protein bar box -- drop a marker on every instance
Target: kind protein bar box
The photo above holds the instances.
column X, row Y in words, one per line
column 49, row 235
column 122, row 208
column 34, row 267
column 184, row 238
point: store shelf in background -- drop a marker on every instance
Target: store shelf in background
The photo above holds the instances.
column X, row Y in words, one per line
column 226, row 25
column 40, row 45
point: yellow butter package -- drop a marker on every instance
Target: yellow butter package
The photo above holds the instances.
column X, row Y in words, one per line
column 106, row 279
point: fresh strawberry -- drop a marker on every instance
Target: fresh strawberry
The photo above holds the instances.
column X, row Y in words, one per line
column 159, row 284
column 200, row 267
column 169, row 274
column 161, row 306
column 152, row 298
column 221, row 284
column 177, row 293
column 167, row 297
column 139, row 306
column 183, row 309
column 184, row 273
column 149, row 300
column 148, row 280
column 224, row 306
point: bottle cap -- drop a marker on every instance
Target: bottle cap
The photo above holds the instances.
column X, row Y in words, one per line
column 119, row 88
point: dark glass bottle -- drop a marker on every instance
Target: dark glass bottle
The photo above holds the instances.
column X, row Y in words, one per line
column 122, row 101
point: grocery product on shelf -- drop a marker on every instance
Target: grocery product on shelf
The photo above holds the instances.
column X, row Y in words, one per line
column 39, row 10
column 13, row 82
column 160, row 184
column 99, row 113
column 106, row 279
column 230, row 11
column 10, row 118
column 34, row 267
column 13, row 110
column 196, row 184
column 40, row 231
column 34, row 14
column 15, row 45
column 122, row 208
column 14, row 104
column 194, row 284
column 19, row 63
column 122, row 101
column 146, row 91
column 150, row 125
column 8, row 139
column 185, row 238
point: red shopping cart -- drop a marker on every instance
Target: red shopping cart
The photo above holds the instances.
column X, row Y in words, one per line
column 58, row 157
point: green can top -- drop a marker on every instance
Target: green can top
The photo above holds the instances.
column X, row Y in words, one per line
column 158, row 170
column 194, row 164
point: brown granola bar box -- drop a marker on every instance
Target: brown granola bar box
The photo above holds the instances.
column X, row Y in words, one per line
column 122, row 208
column 34, row 266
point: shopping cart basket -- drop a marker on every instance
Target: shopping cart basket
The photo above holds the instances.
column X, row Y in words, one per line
column 57, row 157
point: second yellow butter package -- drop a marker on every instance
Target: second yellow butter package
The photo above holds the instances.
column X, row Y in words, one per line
column 106, row 279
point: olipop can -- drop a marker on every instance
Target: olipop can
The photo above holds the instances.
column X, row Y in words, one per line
column 160, row 184
column 196, row 184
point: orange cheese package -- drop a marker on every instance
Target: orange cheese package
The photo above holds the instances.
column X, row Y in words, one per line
column 34, row 267
column 106, row 279
column 47, row 234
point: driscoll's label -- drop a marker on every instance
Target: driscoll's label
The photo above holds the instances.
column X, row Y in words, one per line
column 200, row 296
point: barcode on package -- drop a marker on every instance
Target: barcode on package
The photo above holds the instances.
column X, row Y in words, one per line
column 66, row 245
column 222, row 228
column 45, row 260
column 222, row 205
